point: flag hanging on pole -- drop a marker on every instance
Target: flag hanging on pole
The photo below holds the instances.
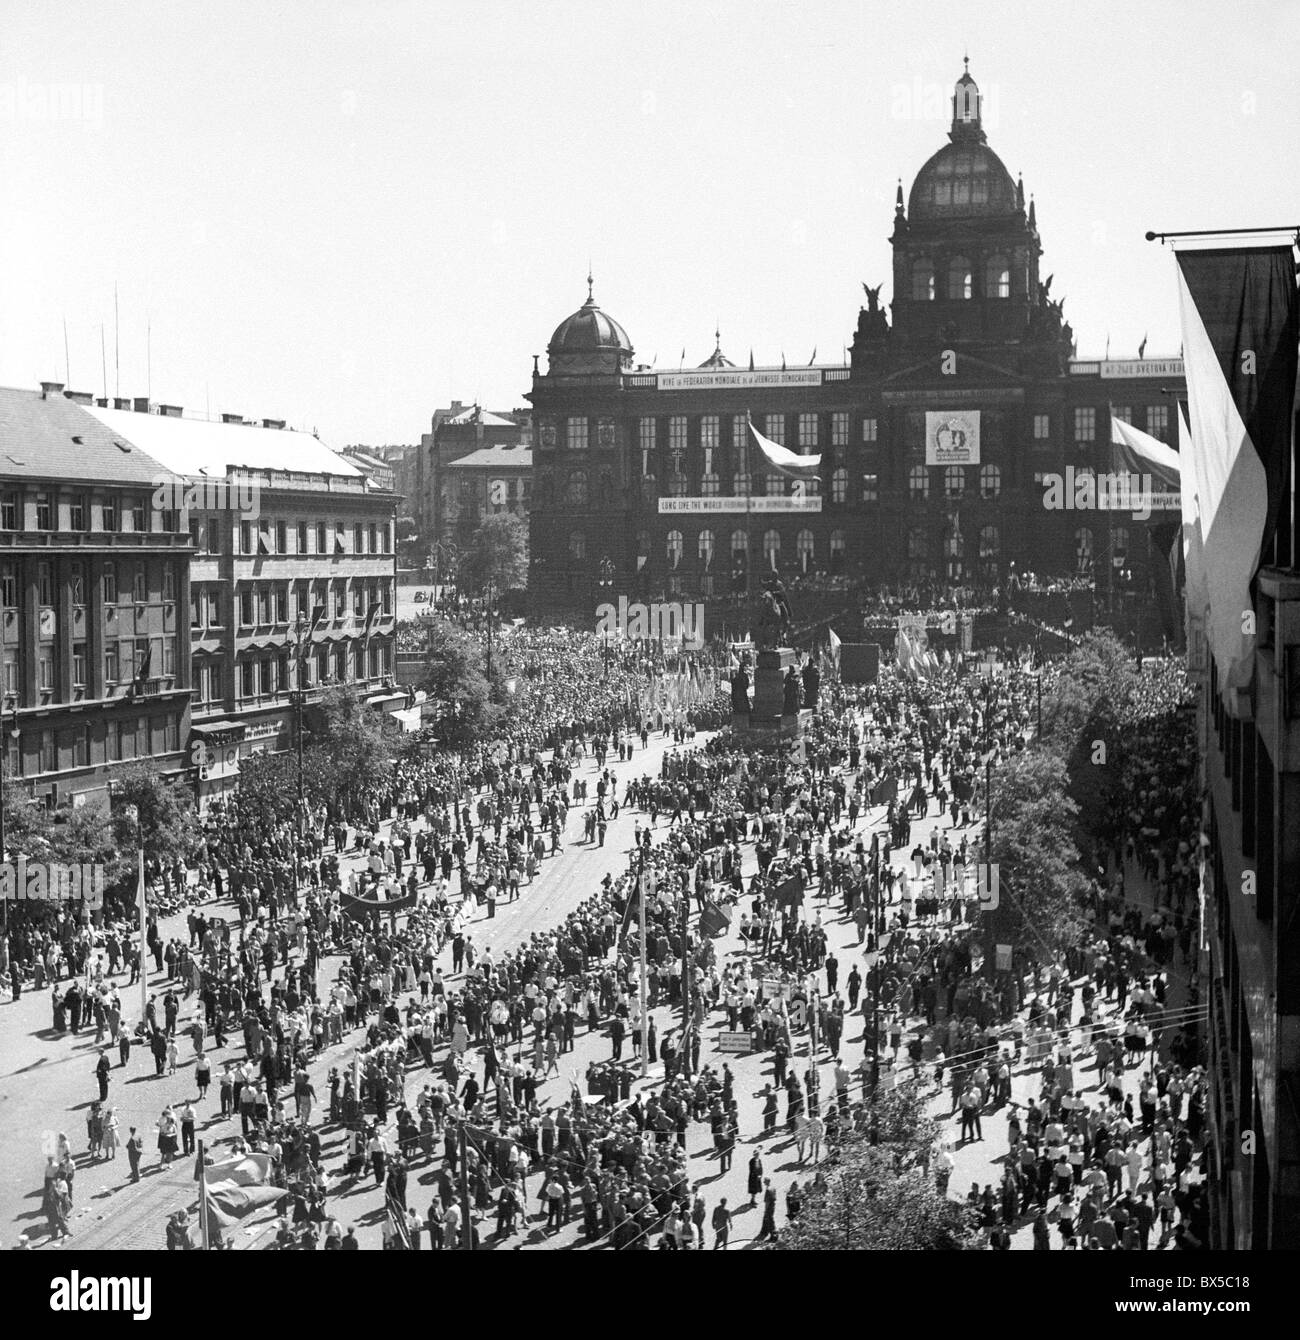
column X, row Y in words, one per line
column 1196, row 594
column 781, row 459
column 835, row 647
column 1241, row 323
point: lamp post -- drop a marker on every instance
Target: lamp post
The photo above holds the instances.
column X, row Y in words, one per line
column 606, row 582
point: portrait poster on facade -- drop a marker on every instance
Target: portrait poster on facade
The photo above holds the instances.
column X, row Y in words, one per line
column 952, row 437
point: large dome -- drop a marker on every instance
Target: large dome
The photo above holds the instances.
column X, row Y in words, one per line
column 963, row 180
column 589, row 330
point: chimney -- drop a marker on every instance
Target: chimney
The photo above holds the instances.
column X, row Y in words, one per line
column 80, row 397
column 232, row 418
column 170, row 411
column 121, row 402
column 101, row 402
column 141, row 405
column 49, row 389
column 273, row 423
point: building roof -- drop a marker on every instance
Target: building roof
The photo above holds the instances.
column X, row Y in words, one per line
column 54, row 438
column 962, row 181
column 196, row 447
column 499, row 457
column 478, row 415
column 589, row 330
column 366, row 459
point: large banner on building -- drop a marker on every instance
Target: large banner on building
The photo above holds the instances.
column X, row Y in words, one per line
column 952, row 437
column 738, row 377
column 728, row 504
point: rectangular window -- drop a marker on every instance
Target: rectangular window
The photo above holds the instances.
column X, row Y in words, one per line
column 246, row 610
column 77, row 581
column 263, row 605
column 79, row 665
column 709, row 426
column 388, row 597
column 302, row 537
column 808, row 431
column 113, row 742
column 677, row 433
column 840, row 428
column 169, row 657
column 320, row 538
column 45, row 584
column 870, row 488
column 110, row 584
column 1085, row 423
column 322, row 667
column 81, row 746
column 139, row 517
column 213, row 608
column 374, row 538
column 77, row 513
column 265, row 538
column 282, row 604
column 774, row 427
column 108, row 515
column 169, row 582
column 45, row 669
column 110, row 664
column 8, row 586
column 340, row 598
column 578, row 434
column 1158, row 421
column 340, row 538
column 281, row 537
column 9, row 511
column 213, row 534
column 1121, row 412
column 358, row 539
column 870, row 430
column 44, row 512
column 1042, row 427
column 388, row 537
column 196, row 607
column 139, row 585
column 248, row 679
column 775, row 486
column 171, row 735
column 245, row 537
column 49, row 757
column 358, row 600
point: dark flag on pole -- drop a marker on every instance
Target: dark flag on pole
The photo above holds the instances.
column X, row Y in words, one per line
column 1241, row 324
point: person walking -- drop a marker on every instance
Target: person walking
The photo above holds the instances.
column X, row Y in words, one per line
column 134, row 1152
column 721, row 1225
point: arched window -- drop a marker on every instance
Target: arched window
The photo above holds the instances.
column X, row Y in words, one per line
column 922, row 281
column 577, row 546
column 771, row 547
column 775, row 486
column 954, row 480
column 805, row 548
column 575, row 492
column 990, row 481
column 706, row 548
column 917, row 544
column 839, row 485
column 1083, row 549
column 837, row 551
column 918, row 483
column 989, row 543
column 1119, row 543
column 739, row 547
column 959, row 277
column 997, row 277
column 675, row 546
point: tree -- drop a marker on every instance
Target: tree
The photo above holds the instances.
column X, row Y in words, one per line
column 881, row 1193
column 454, row 681
column 1035, row 857
column 350, row 752
column 498, row 554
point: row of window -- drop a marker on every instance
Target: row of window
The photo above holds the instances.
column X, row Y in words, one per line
column 129, row 513
column 959, row 279
column 271, row 673
column 805, row 430
column 125, row 659
column 270, row 602
column 268, row 536
column 133, row 589
column 84, row 745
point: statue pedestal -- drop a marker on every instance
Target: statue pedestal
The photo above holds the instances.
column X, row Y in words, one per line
column 769, row 686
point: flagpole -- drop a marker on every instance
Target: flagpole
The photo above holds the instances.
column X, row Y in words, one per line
column 203, row 1195
column 144, row 965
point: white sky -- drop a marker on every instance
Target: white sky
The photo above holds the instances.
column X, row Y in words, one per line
column 346, row 214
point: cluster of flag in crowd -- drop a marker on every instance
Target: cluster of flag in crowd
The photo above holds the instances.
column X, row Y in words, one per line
column 918, row 660
column 675, row 690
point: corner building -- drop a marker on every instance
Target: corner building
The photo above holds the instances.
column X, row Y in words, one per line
column 934, row 437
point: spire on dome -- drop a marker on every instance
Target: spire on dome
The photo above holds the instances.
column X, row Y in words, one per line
column 717, row 359
column 591, row 301
column 966, row 107
column 1020, row 191
column 1033, row 219
column 898, row 197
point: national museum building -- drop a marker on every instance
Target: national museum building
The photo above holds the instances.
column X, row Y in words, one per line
column 934, row 438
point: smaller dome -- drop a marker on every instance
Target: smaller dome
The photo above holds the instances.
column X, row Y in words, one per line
column 589, row 330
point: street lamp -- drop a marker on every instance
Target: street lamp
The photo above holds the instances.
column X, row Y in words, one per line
column 606, row 582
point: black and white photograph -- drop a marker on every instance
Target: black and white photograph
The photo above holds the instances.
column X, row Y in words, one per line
column 649, row 628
